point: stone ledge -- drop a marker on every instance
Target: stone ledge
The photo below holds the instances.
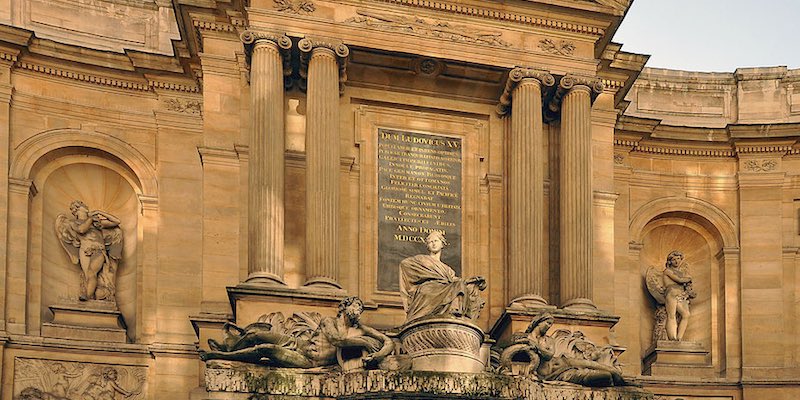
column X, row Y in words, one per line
column 225, row 380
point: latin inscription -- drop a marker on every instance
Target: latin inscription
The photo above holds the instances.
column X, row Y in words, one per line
column 419, row 191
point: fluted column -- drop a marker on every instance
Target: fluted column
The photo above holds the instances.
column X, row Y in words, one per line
column 526, row 244
column 576, row 192
column 322, row 162
column 265, row 220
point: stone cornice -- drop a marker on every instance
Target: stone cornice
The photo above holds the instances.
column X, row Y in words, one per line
column 84, row 77
column 515, row 77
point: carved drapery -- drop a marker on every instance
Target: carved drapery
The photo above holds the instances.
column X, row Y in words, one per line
column 266, row 160
column 526, row 244
column 322, row 64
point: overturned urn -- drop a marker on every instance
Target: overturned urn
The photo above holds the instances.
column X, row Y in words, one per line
column 443, row 345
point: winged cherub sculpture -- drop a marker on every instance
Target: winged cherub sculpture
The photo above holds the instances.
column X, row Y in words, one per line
column 672, row 290
column 93, row 241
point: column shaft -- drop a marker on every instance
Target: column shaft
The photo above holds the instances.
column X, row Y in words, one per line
column 576, row 199
column 266, row 165
column 526, row 196
column 322, row 170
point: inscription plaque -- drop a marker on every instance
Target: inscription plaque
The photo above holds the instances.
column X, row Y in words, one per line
column 419, row 190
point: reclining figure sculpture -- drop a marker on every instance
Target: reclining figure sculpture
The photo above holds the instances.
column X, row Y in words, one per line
column 304, row 340
column 565, row 356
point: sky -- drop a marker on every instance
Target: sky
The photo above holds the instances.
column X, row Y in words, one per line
column 713, row 35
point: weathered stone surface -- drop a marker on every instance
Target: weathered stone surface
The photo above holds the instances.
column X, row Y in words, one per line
column 383, row 384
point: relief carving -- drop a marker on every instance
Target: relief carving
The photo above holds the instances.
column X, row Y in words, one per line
column 760, row 165
column 295, row 6
column 420, row 26
column 563, row 47
column 93, row 241
column 305, row 340
column 619, row 159
column 672, row 290
column 36, row 379
column 192, row 107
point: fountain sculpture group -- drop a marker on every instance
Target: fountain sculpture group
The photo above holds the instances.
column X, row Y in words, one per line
column 439, row 337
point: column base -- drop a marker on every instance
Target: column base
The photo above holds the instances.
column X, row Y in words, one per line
column 265, row 278
column 528, row 301
column 580, row 304
column 322, row 283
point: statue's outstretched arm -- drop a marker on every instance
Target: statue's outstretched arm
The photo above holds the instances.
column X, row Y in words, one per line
column 387, row 346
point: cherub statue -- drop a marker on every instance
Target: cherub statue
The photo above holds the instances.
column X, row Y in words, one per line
column 672, row 289
column 565, row 356
column 304, row 340
column 93, row 240
column 430, row 288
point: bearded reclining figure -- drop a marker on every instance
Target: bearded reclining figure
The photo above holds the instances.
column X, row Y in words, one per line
column 304, row 340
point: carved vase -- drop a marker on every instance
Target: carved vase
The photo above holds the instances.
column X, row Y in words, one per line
column 443, row 345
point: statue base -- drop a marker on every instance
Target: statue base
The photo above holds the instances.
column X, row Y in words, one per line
column 239, row 381
column 672, row 357
column 92, row 320
column 444, row 345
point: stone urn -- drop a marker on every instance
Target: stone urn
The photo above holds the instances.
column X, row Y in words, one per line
column 443, row 345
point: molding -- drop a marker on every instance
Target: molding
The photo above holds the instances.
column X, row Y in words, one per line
column 84, row 77
column 218, row 157
column 515, row 77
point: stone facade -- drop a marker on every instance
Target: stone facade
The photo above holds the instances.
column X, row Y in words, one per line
column 197, row 127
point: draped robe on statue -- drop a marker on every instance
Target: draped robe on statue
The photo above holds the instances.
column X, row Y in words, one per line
column 429, row 286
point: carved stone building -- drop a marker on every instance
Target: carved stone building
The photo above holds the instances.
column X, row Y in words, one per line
column 260, row 156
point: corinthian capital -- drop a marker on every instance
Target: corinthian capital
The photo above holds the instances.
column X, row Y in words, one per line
column 516, row 76
column 340, row 52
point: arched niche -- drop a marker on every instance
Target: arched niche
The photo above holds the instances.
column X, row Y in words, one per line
column 107, row 174
column 707, row 237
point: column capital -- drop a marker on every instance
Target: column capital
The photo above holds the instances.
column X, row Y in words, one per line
column 515, row 77
column 340, row 51
column 283, row 43
column 250, row 37
column 593, row 85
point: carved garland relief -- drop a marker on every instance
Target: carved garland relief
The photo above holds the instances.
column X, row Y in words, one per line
column 760, row 165
column 427, row 27
column 51, row 379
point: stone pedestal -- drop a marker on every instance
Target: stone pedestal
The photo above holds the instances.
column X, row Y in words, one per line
column 97, row 321
column 670, row 357
column 443, row 345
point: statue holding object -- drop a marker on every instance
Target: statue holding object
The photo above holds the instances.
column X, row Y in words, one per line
column 564, row 356
column 93, row 240
column 672, row 290
column 430, row 288
column 304, row 340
